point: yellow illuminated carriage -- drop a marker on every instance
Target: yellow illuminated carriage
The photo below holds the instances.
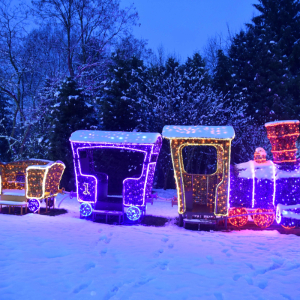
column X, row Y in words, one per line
column 27, row 183
column 202, row 198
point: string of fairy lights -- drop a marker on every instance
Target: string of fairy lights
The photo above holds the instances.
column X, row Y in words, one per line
column 283, row 188
column 39, row 178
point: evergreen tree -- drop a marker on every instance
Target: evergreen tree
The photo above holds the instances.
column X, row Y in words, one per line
column 120, row 104
column 222, row 73
column 6, row 143
column 264, row 62
column 71, row 111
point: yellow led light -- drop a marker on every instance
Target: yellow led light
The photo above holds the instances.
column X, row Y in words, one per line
column 221, row 200
column 43, row 174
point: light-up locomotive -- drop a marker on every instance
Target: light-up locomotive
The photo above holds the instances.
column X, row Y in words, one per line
column 261, row 190
column 265, row 189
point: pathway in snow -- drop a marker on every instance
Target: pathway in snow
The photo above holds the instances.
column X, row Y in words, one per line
column 64, row 257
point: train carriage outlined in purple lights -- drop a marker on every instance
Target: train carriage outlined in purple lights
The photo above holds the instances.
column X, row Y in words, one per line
column 92, row 191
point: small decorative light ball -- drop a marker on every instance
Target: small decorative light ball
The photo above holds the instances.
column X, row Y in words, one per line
column 238, row 221
column 86, row 209
column 263, row 220
column 34, row 205
column 133, row 213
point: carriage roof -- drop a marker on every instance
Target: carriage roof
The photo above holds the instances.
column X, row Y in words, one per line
column 115, row 137
column 198, row 132
column 282, row 122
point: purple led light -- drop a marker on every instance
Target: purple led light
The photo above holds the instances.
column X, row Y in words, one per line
column 135, row 190
column 280, row 188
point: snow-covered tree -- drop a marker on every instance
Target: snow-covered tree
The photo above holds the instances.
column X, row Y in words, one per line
column 120, row 103
column 6, row 141
column 89, row 27
column 70, row 111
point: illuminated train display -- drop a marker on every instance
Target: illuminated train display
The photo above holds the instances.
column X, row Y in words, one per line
column 269, row 189
column 260, row 189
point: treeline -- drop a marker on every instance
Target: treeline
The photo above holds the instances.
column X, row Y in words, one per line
column 79, row 67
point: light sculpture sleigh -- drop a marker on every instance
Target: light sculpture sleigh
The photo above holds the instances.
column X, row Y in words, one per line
column 202, row 198
column 92, row 186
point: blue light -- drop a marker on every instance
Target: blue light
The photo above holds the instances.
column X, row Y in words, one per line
column 133, row 213
column 34, row 205
column 85, row 209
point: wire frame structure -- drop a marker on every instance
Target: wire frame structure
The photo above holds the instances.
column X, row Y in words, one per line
column 283, row 136
column 201, row 193
column 40, row 178
column 28, row 183
column 92, row 186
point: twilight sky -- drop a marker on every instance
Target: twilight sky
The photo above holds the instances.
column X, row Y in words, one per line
column 184, row 26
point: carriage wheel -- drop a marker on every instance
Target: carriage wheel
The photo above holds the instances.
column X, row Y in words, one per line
column 278, row 219
column 85, row 209
column 263, row 220
column 34, row 205
column 238, row 221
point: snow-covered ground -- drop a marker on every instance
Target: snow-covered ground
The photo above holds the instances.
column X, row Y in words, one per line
column 64, row 257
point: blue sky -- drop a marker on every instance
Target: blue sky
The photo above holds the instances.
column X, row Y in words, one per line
column 184, row 26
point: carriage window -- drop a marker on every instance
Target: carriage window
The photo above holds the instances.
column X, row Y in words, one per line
column 200, row 159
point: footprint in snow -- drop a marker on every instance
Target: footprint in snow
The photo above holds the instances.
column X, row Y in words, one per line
column 143, row 281
column 262, row 248
column 210, row 259
column 263, row 284
column 236, row 277
column 81, row 287
column 103, row 252
column 226, row 252
column 250, row 266
column 89, row 266
column 158, row 252
column 105, row 239
column 234, row 248
column 164, row 239
column 163, row 265
column 170, row 246
column 249, row 280
column 219, row 296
